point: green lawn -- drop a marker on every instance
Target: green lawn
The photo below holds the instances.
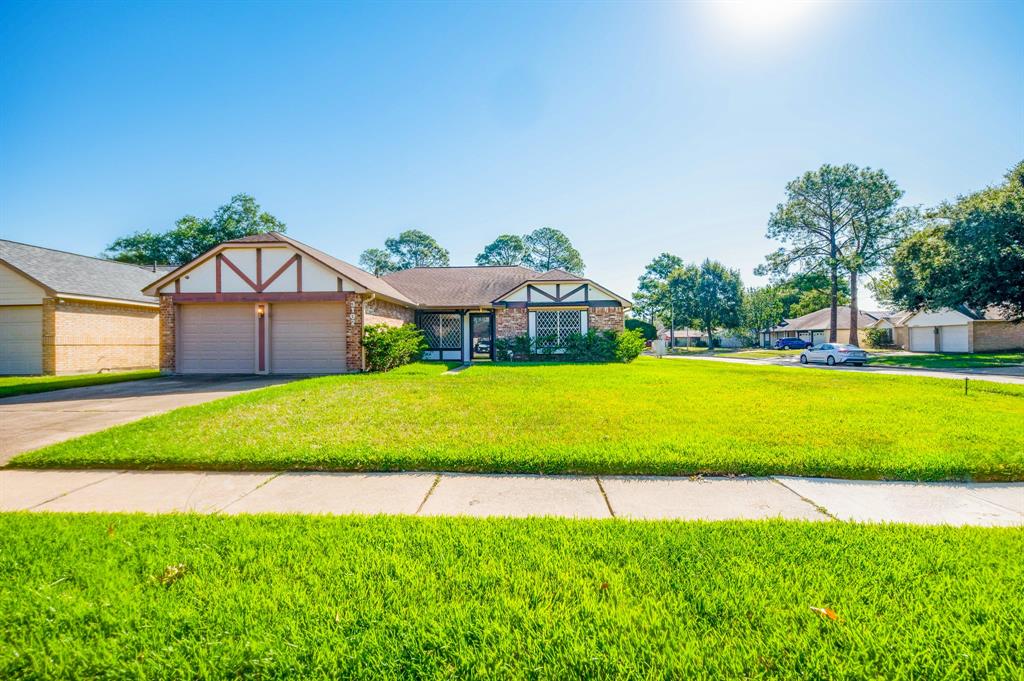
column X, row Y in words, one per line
column 86, row 596
column 766, row 353
column 22, row 385
column 950, row 360
column 653, row 416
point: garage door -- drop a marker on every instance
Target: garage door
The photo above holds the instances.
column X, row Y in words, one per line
column 217, row 339
column 922, row 338
column 307, row 338
column 953, row 338
column 21, row 340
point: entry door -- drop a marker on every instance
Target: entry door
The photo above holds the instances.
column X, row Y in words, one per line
column 481, row 335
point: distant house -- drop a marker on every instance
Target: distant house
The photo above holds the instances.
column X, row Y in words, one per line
column 62, row 313
column 957, row 330
column 691, row 337
column 815, row 326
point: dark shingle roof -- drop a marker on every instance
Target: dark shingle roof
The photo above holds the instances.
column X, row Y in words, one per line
column 558, row 275
column 821, row 319
column 73, row 274
column 458, row 286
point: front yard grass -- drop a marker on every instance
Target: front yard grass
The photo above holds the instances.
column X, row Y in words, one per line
column 950, row 360
column 23, row 385
column 134, row 596
column 662, row 417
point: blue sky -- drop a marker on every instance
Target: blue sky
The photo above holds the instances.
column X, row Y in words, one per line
column 635, row 128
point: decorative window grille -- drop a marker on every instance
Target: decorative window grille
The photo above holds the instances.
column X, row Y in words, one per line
column 442, row 331
column 555, row 326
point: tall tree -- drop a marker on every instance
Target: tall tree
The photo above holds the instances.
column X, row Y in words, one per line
column 378, row 262
column 651, row 294
column 191, row 236
column 507, row 249
column 813, row 222
column 878, row 226
column 711, row 296
column 971, row 252
column 551, row 249
column 760, row 311
column 804, row 292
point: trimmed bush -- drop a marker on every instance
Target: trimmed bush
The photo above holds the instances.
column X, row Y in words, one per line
column 592, row 346
column 648, row 330
column 388, row 347
column 628, row 345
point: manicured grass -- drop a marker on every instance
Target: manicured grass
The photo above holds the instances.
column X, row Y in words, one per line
column 23, row 385
column 653, row 416
column 766, row 353
column 85, row 596
column 950, row 360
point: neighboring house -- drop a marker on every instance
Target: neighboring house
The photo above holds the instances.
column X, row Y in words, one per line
column 894, row 333
column 62, row 313
column 815, row 326
column 958, row 330
column 689, row 337
column 271, row 304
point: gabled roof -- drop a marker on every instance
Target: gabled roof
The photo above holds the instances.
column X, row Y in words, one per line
column 821, row 319
column 557, row 275
column 70, row 274
column 459, row 286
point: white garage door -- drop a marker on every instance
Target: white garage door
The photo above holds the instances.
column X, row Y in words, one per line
column 922, row 338
column 307, row 338
column 953, row 338
column 21, row 340
column 217, row 339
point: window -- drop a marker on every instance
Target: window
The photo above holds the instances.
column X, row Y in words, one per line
column 555, row 326
column 442, row 331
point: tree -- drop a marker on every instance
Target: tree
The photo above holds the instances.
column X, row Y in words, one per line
column 191, row 236
column 413, row 248
column 813, row 222
column 970, row 253
column 805, row 292
column 507, row 249
column 710, row 295
column 877, row 227
column 646, row 330
column 550, row 249
column 651, row 295
column 378, row 262
column 760, row 311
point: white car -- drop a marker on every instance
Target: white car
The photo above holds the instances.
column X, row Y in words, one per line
column 834, row 353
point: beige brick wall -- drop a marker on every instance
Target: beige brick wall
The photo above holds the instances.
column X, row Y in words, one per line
column 606, row 318
column 384, row 312
column 87, row 337
column 510, row 322
column 168, row 346
column 987, row 336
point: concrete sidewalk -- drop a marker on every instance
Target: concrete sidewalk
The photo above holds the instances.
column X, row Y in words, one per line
column 432, row 494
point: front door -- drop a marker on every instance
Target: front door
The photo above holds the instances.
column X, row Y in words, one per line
column 481, row 335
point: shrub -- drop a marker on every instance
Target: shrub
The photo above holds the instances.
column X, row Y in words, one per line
column 628, row 345
column 388, row 347
column 878, row 338
column 592, row 346
column 648, row 330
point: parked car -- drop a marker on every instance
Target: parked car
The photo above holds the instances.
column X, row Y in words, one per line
column 791, row 344
column 834, row 353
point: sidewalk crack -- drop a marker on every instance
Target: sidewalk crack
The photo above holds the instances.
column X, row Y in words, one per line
column 77, row 489
column 817, row 507
column 235, row 501
column 604, row 495
column 437, row 481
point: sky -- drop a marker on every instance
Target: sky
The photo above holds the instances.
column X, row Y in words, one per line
column 635, row 128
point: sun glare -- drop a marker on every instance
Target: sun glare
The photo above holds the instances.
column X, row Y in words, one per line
column 761, row 19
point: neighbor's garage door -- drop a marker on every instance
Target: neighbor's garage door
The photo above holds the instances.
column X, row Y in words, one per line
column 307, row 338
column 21, row 340
column 922, row 338
column 953, row 338
column 217, row 339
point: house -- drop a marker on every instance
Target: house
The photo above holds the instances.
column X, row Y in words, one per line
column 958, row 330
column 690, row 337
column 893, row 331
column 62, row 313
column 270, row 304
column 815, row 326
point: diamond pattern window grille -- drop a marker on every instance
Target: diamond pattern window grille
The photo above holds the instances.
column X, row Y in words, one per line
column 442, row 331
column 557, row 325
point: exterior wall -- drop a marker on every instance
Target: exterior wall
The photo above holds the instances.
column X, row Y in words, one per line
column 354, row 332
column 510, row 322
column 15, row 289
column 86, row 337
column 384, row 312
column 168, row 345
column 606, row 318
column 901, row 337
column 993, row 336
column 944, row 317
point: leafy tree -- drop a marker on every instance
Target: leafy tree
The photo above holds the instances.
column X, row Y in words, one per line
column 971, row 252
column 650, row 297
column 646, row 330
column 551, row 249
column 805, row 292
column 711, row 295
column 378, row 262
column 507, row 249
column 760, row 311
column 812, row 223
column 191, row 236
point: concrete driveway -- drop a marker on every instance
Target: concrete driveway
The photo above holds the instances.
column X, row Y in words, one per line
column 31, row 421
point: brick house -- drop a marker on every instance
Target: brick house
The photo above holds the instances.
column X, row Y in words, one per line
column 270, row 304
column 960, row 329
column 62, row 313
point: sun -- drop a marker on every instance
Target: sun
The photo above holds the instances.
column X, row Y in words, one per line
column 761, row 19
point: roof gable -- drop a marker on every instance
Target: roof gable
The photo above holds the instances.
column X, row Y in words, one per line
column 458, row 286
